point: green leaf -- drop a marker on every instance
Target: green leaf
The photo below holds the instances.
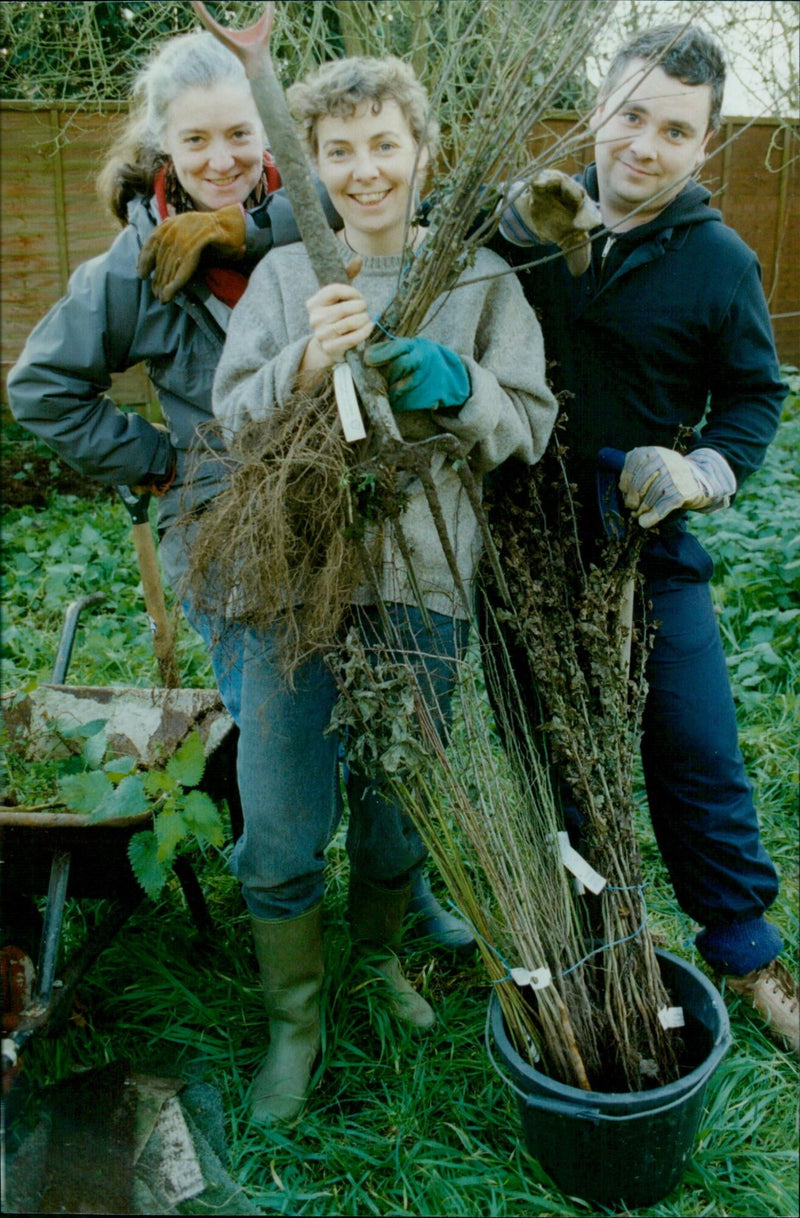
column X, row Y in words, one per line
column 158, row 782
column 170, row 828
column 128, row 799
column 202, row 818
column 94, row 750
column 189, row 762
column 119, row 766
column 85, row 792
column 69, row 730
column 150, row 872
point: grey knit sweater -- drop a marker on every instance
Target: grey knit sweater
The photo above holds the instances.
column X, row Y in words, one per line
column 510, row 412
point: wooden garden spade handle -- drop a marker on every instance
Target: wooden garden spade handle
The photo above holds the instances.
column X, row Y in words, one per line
column 160, row 625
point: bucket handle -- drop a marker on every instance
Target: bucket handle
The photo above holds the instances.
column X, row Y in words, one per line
column 593, row 1115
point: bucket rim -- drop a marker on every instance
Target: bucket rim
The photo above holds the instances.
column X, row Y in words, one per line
column 631, row 1100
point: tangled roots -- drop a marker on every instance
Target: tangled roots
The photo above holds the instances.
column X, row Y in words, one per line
column 280, row 549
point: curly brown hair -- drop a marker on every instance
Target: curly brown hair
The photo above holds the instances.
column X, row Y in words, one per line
column 340, row 86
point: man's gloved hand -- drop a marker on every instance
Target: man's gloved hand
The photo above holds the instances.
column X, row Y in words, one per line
column 173, row 250
column 656, row 481
column 557, row 209
column 420, row 374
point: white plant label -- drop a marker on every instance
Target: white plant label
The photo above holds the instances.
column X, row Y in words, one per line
column 347, row 403
column 671, row 1017
column 582, row 870
column 537, row 979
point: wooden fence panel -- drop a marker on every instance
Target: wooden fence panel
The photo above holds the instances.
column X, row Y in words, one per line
column 52, row 222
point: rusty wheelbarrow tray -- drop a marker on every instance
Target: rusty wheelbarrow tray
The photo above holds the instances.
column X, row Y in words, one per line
column 61, row 853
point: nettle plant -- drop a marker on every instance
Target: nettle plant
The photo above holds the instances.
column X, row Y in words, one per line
column 108, row 788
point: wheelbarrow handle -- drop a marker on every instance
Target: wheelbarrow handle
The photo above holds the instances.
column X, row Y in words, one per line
column 65, row 643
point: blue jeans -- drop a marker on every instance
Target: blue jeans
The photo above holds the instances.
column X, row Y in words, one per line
column 288, row 771
column 223, row 638
column 225, row 642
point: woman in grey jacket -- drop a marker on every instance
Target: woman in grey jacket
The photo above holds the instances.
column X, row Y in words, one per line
column 367, row 129
column 193, row 186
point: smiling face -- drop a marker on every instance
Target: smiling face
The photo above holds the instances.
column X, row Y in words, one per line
column 651, row 135
column 216, row 142
column 366, row 162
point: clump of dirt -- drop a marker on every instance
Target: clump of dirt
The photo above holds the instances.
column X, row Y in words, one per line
column 31, row 474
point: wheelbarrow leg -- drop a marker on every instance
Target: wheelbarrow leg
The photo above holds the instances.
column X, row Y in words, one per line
column 51, row 930
column 193, row 893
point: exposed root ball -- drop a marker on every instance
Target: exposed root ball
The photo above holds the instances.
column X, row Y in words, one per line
column 279, row 548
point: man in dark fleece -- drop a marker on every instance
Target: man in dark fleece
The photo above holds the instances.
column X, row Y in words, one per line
column 669, row 329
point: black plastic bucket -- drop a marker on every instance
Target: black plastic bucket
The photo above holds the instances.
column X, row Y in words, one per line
column 621, row 1147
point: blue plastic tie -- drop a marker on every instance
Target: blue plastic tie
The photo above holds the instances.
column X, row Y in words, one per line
column 388, row 335
column 565, row 972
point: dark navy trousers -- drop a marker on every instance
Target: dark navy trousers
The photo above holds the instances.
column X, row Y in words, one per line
column 700, row 799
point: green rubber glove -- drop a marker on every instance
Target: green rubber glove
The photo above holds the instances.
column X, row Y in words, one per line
column 420, row 374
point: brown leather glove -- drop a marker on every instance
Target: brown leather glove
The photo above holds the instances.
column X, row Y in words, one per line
column 557, row 209
column 173, row 250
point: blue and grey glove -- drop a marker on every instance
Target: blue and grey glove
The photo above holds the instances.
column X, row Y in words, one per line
column 656, row 481
column 420, row 374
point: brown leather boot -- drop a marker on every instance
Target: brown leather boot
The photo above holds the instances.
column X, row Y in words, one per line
column 772, row 992
column 289, row 953
column 375, row 913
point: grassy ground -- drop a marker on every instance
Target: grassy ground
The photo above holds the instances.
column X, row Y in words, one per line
column 403, row 1124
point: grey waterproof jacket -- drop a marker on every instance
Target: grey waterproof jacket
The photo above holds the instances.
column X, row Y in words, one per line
column 110, row 320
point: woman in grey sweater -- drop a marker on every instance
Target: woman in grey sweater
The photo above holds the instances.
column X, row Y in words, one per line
column 476, row 370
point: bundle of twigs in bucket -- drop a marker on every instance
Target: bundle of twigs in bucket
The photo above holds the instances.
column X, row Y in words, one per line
column 299, row 526
column 570, row 639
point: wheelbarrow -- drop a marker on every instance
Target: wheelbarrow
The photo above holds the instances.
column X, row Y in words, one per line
column 66, row 853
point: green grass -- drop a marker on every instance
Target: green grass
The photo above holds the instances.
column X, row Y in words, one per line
column 403, row 1124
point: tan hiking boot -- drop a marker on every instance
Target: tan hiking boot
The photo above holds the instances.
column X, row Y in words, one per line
column 773, row 993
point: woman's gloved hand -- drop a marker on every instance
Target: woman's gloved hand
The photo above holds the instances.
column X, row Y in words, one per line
column 173, row 250
column 656, row 481
column 420, row 374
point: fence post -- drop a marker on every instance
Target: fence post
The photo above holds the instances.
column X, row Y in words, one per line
column 60, row 200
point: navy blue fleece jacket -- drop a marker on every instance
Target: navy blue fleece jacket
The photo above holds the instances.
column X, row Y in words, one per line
column 673, row 331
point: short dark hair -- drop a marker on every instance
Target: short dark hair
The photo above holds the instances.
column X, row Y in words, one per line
column 689, row 54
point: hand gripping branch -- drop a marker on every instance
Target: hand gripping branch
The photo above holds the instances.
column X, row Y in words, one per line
column 251, row 47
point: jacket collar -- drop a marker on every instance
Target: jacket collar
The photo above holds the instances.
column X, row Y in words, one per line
column 650, row 241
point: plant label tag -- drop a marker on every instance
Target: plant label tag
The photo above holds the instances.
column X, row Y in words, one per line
column 537, row 979
column 347, row 403
column 671, row 1017
column 582, row 870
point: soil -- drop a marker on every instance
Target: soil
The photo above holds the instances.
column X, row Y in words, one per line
column 31, row 474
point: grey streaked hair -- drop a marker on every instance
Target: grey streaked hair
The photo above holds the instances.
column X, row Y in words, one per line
column 190, row 61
